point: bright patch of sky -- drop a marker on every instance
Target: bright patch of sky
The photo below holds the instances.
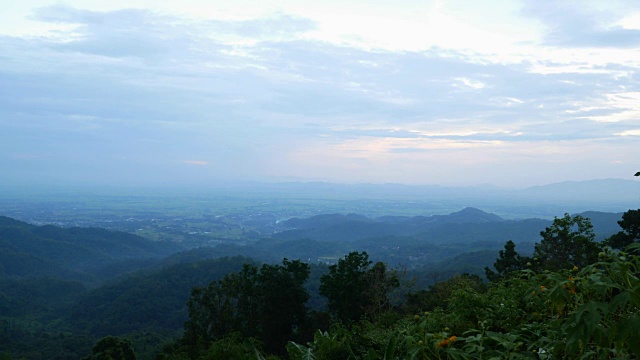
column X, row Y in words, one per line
column 457, row 92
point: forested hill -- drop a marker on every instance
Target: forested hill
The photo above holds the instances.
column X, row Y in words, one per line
column 71, row 253
column 465, row 226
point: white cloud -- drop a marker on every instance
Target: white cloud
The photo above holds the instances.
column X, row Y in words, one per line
column 632, row 132
column 196, row 162
column 622, row 107
column 474, row 84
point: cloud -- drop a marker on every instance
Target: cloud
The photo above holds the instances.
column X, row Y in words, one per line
column 138, row 89
column 147, row 34
column 632, row 132
column 585, row 23
column 196, row 162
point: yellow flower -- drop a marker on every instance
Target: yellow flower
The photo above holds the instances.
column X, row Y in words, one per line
column 575, row 267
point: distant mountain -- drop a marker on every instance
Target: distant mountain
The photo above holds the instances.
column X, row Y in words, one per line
column 416, row 240
column 614, row 188
column 466, row 216
column 336, row 227
column 595, row 191
column 610, row 195
column 325, row 220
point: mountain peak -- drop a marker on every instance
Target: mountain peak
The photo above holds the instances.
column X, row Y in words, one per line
column 473, row 215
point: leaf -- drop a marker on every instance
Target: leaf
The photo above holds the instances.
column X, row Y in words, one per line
column 391, row 349
column 627, row 333
column 620, row 301
column 371, row 355
column 301, row 352
column 252, row 348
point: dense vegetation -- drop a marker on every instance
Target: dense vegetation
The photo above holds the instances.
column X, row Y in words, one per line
column 570, row 296
column 575, row 298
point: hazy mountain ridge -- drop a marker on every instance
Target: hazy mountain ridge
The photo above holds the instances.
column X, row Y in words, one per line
column 85, row 254
column 337, row 228
column 611, row 189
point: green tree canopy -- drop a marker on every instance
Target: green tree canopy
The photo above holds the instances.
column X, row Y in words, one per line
column 353, row 288
column 345, row 286
column 112, row 348
column 630, row 233
column 266, row 303
column 569, row 241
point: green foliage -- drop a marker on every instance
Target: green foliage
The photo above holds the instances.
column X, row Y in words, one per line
column 37, row 297
column 133, row 304
column 345, row 287
column 282, row 302
column 354, row 289
column 380, row 283
column 73, row 253
column 630, row 233
column 266, row 303
column 229, row 347
column 439, row 294
column 573, row 313
column 112, row 348
column 586, row 311
column 570, row 241
column 508, row 261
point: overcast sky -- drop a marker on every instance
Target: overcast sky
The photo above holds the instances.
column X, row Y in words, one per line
column 165, row 92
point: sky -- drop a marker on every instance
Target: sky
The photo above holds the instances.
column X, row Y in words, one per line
column 184, row 93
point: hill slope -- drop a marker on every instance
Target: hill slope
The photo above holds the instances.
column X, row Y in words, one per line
column 74, row 253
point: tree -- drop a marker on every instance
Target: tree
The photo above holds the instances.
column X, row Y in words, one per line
column 438, row 294
column 213, row 313
column 112, row 348
column 345, row 286
column 568, row 242
column 282, row 302
column 266, row 303
column 509, row 260
column 630, row 233
column 380, row 283
column 353, row 289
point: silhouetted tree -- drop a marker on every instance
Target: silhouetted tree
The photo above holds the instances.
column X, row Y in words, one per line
column 112, row 348
column 509, row 260
column 266, row 303
column 345, row 287
column 282, row 302
column 380, row 283
column 353, row 289
column 630, row 233
column 568, row 242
